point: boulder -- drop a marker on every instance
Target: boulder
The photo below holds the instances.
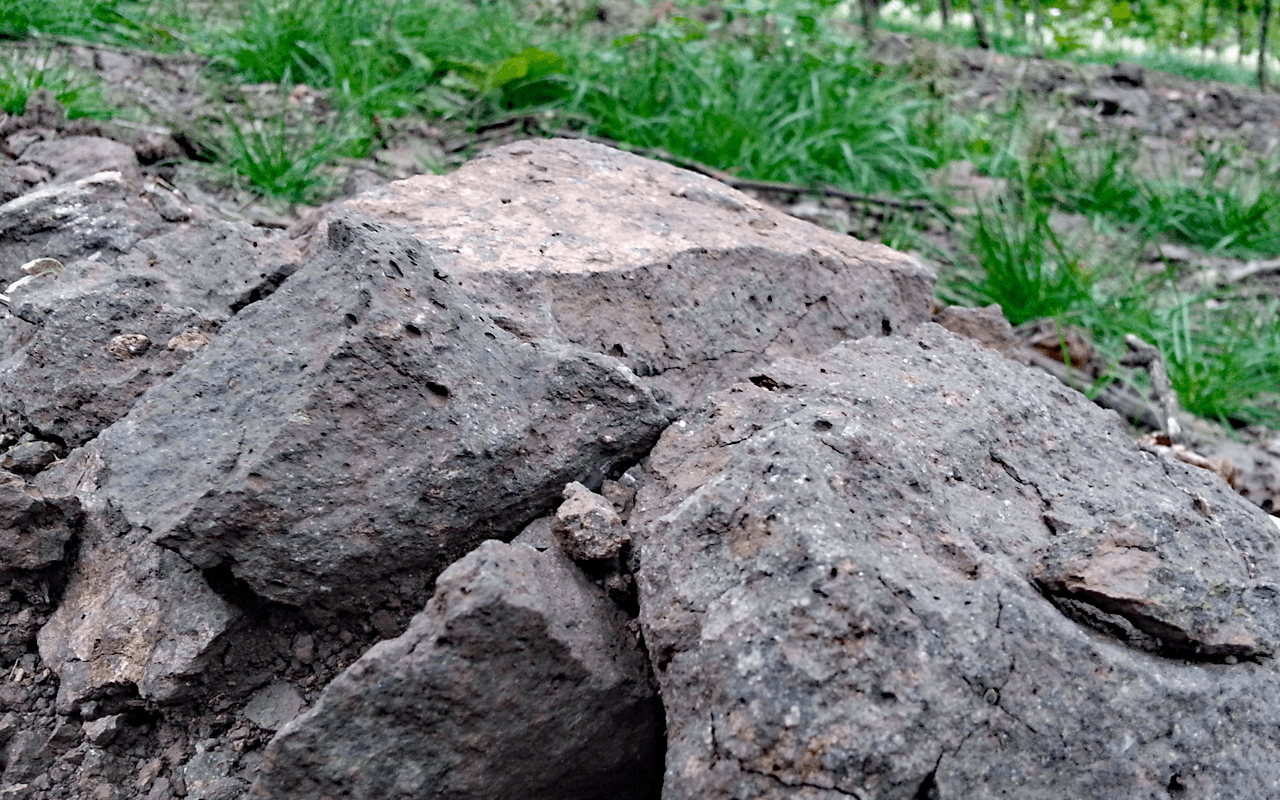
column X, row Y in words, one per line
column 519, row 679
column 912, row 568
column 105, row 332
column 362, row 421
column 691, row 284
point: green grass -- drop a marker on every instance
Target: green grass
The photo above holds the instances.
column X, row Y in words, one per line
column 286, row 159
column 1024, row 266
column 766, row 90
column 23, row 74
column 794, row 117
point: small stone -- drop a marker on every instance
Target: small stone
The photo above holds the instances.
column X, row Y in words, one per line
column 384, row 622
column 272, row 706
column 587, row 526
column 30, row 457
column 128, row 345
column 188, row 341
column 304, row 648
column 102, row 731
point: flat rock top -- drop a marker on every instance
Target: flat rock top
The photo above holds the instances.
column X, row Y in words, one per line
column 585, row 207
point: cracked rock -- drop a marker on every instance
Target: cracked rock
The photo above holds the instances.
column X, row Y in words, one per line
column 838, row 586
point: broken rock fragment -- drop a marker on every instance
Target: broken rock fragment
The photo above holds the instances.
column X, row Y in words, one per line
column 518, row 679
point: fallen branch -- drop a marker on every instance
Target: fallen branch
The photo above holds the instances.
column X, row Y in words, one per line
column 1127, row 403
column 1148, row 357
column 757, row 185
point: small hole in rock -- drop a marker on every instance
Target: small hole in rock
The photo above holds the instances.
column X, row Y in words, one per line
column 412, row 330
column 821, row 425
column 439, row 390
column 349, row 320
column 886, row 327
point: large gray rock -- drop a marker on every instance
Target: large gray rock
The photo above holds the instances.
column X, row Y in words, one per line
column 912, row 568
column 690, row 283
column 93, row 355
column 366, row 420
column 337, row 444
column 518, row 680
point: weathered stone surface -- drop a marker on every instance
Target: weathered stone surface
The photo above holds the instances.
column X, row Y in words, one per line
column 71, row 158
column 361, row 425
column 102, row 214
column 587, row 527
column 272, row 706
column 914, row 569
column 108, row 331
column 690, row 283
column 214, row 268
column 86, row 366
column 134, row 617
column 517, row 680
column 365, row 420
column 28, row 456
column 34, row 530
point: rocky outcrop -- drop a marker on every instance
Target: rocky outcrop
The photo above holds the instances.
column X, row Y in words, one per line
column 519, row 679
column 912, row 568
column 691, row 284
column 258, row 492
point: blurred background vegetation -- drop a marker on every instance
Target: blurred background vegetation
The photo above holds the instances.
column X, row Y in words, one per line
column 1072, row 225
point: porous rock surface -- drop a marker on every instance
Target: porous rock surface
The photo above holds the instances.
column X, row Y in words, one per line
column 519, row 679
column 688, row 282
column 103, row 333
column 912, row 568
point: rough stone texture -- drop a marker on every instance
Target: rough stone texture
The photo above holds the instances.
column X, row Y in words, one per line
column 86, row 366
column 915, row 569
column 213, row 267
column 355, row 432
column 690, row 283
column 365, row 420
column 135, row 618
column 71, row 158
column 986, row 326
column 106, row 332
column 272, row 706
column 34, row 530
column 28, row 456
column 517, row 680
column 100, row 214
column 587, row 527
